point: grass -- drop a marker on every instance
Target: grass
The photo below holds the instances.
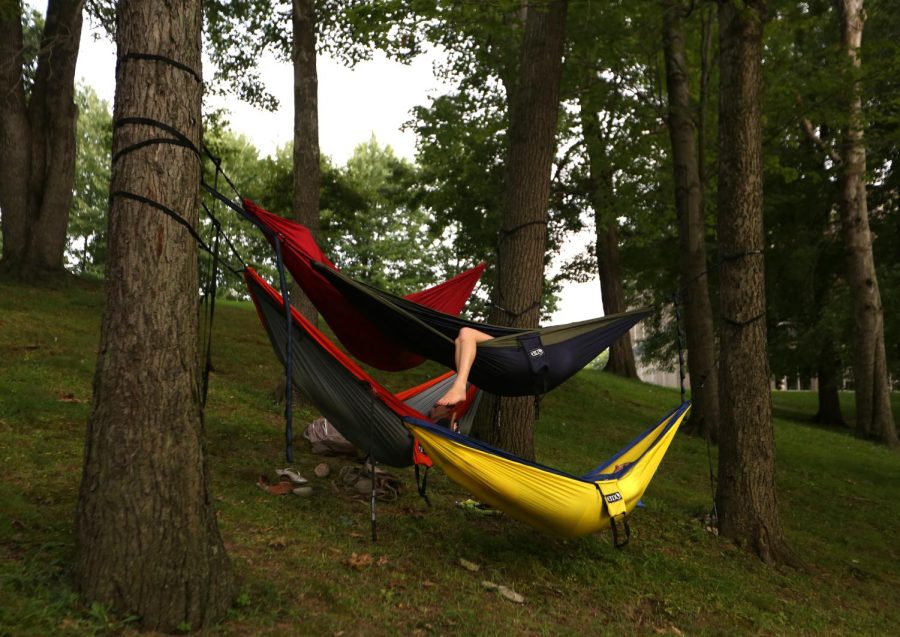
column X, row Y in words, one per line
column 308, row 567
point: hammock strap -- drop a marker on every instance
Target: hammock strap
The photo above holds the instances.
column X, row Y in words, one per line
column 421, row 458
column 153, row 57
column 288, row 359
column 615, row 507
column 178, row 138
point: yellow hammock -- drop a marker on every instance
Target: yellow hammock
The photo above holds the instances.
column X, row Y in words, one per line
column 547, row 499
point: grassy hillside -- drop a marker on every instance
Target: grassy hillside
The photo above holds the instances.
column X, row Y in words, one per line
column 307, row 565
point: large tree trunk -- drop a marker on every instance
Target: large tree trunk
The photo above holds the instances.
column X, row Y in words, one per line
column 873, row 401
column 37, row 141
column 147, row 539
column 509, row 422
column 606, row 246
column 306, row 130
column 746, row 501
column 689, row 204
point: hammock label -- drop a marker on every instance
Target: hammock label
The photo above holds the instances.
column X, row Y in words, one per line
column 613, row 497
column 537, row 352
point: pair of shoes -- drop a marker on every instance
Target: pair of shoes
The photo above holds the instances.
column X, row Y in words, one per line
column 477, row 507
column 291, row 475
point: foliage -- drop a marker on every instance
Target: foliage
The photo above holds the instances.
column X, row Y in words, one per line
column 385, row 239
column 373, row 224
column 295, row 555
column 86, row 238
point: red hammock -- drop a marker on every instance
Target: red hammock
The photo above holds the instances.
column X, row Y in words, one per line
column 357, row 333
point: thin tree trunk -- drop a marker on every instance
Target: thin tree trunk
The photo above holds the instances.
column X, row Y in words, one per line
column 689, row 203
column 874, row 418
column 147, row 539
column 621, row 352
column 606, row 246
column 746, row 500
column 520, row 253
column 306, row 166
column 37, row 141
column 306, row 131
column 829, row 400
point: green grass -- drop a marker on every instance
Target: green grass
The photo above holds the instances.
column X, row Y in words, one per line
column 837, row 497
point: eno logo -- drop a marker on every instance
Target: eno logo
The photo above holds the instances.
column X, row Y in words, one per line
column 613, row 497
column 537, row 352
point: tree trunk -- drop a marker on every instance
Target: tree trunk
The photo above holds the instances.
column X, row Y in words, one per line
column 606, row 246
column 874, row 418
column 509, row 423
column 829, row 400
column 306, row 131
column 147, row 539
column 37, row 141
column 689, row 204
column 746, row 500
column 621, row 352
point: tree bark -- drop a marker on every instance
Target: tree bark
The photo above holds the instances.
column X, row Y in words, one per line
column 689, row 204
column 746, row 500
column 37, row 141
column 147, row 539
column 606, row 246
column 509, row 422
column 306, row 131
column 829, row 400
column 874, row 418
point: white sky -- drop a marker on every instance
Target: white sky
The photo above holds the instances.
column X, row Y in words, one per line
column 373, row 98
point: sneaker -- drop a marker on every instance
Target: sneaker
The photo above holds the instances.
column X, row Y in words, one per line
column 292, row 475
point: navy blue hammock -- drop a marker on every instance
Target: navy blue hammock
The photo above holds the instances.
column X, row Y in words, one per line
column 514, row 362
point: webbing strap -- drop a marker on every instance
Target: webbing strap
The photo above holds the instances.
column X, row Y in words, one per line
column 164, row 209
column 423, row 485
column 618, row 512
column 178, row 138
column 153, row 57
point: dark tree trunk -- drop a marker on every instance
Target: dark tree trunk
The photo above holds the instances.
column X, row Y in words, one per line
column 829, row 400
column 689, row 204
column 147, row 538
column 621, row 352
column 37, row 141
column 306, row 176
column 746, row 501
column 874, row 418
column 509, row 422
column 306, row 130
column 606, row 246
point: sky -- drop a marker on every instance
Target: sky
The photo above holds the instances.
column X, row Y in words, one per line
column 374, row 98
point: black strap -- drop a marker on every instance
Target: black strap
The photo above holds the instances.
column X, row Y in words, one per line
column 615, row 533
column 423, row 485
column 515, row 315
column 744, row 323
column 505, row 234
column 153, row 57
column 164, row 209
column 288, row 359
column 178, row 138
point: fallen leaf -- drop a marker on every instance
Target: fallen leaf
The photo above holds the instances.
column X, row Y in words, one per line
column 489, row 585
column 382, row 560
column 359, row 561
